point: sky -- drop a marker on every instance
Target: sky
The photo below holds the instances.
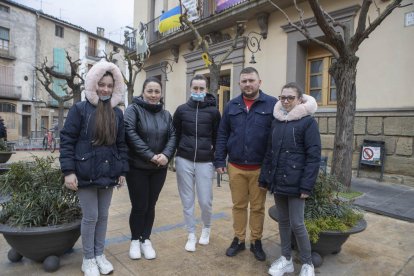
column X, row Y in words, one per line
column 112, row 15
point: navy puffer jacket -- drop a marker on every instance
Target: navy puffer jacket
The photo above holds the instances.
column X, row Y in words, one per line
column 293, row 155
column 196, row 124
column 98, row 166
column 149, row 131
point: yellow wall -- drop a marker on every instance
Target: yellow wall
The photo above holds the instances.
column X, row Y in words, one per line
column 385, row 69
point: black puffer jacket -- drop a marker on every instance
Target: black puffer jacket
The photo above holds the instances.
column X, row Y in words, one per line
column 149, row 131
column 196, row 124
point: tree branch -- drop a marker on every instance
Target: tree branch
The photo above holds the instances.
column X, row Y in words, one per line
column 304, row 31
column 360, row 36
column 334, row 38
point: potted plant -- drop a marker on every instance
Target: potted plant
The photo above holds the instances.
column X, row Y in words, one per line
column 41, row 218
column 5, row 151
column 329, row 219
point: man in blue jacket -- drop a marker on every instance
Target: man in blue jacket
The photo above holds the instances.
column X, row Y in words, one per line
column 242, row 136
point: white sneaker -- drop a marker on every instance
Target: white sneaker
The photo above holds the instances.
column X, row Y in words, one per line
column 281, row 266
column 104, row 266
column 307, row 270
column 147, row 250
column 135, row 250
column 191, row 243
column 89, row 267
column 205, row 236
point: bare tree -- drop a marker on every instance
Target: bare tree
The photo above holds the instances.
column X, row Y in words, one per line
column 343, row 47
column 135, row 61
column 73, row 87
column 213, row 63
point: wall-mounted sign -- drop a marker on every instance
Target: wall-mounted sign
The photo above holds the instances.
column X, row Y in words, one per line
column 372, row 154
column 409, row 19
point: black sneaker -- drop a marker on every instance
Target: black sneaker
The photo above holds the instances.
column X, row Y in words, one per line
column 235, row 248
column 257, row 250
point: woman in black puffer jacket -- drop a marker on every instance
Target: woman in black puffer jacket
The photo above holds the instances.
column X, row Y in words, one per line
column 150, row 136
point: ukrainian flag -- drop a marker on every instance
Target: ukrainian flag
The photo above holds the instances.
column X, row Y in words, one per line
column 170, row 19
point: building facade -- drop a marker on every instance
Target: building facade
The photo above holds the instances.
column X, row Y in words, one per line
column 28, row 37
column 385, row 110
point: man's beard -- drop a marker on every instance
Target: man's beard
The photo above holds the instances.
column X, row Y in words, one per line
column 251, row 95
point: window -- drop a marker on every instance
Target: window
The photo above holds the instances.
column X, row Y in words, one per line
column 59, row 31
column 92, row 51
column 4, row 39
column 4, row 8
column 319, row 84
column 26, row 108
column 7, row 107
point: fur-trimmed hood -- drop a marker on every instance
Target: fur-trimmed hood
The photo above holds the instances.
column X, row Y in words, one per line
column 307, row 107
column 95, row 74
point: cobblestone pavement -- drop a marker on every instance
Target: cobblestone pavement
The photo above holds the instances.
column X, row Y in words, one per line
column 386, row 247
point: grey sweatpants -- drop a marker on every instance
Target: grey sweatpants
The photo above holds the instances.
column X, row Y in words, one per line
column 195, row 177
column 291, row 219
column 95, row 205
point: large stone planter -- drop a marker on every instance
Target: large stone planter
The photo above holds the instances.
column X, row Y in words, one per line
column 5, row 156
column 329, row 242
column 41, row 244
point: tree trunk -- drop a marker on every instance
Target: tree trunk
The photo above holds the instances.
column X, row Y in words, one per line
column 61, row 110
column 214, row 78
column 130, row 89
column 76, row 96
column 344, row 73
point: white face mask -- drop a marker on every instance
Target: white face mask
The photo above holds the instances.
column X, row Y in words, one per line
column 105, row 98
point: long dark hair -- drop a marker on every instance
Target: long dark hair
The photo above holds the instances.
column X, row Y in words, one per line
column 105, row 122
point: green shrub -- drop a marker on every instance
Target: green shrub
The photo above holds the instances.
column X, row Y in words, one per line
column 325, row 211
column 37, row 195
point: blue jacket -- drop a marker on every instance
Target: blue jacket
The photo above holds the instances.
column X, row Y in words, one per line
column 93, row 165
column 293, row 156
column 243, row 134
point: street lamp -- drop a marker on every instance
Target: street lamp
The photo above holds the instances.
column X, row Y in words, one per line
column 253, row 44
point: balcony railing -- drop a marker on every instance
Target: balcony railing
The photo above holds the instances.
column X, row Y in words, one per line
column 130, row 41
column 7, row 51
column 207, row 10
column 10, row 91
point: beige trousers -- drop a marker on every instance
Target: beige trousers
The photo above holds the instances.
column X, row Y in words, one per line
column 244, row 190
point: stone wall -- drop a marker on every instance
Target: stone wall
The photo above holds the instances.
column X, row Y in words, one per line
column 395, row 128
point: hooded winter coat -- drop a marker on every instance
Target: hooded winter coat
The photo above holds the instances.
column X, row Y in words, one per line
column 94, row 165
column 196, row 125
column 293, row 155
column 149, row 131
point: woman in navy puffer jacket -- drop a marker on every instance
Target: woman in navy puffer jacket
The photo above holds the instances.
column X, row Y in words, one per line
column 93, row 158
column 289, row 171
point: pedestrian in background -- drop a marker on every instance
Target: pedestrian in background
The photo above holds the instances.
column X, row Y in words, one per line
column 242, row 137
column 3, row 130
column 151, row 138
column 93, row 158
column 196, row 123
column 289, row 172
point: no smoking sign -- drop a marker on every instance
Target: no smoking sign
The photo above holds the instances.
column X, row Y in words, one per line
column 371, row 154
